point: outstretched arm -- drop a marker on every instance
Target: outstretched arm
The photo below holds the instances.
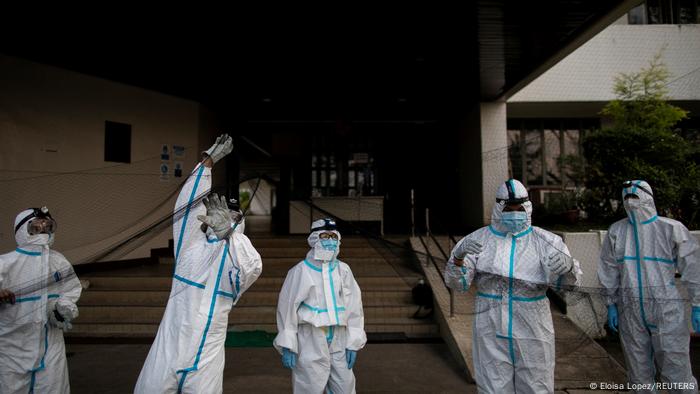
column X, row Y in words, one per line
column 185, row 226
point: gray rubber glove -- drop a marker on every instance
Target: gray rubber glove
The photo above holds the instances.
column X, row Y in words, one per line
column 559, row 264
column 218, row 217
column 222, row 147
column 59, row 321
column 465, row 247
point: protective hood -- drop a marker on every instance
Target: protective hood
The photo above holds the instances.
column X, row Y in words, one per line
column 317, row 248
column 22, row 234
column 643, row 209
column 510, row 192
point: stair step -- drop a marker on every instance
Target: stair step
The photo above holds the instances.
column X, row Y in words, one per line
column 420, row 329
column 251, row 298
column 291, row 261
column 293, row 241
column 240, row 314
column 301, row 252
column 130, row 302
column 264, row 283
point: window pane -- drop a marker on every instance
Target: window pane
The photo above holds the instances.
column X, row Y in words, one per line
column 351, row 178
column 553, row 151
column 687, row 12
column 314, row 181
column 118, row 143
column 515, row 162
column 636, row 15
column 572, row 148
column 533, row 156
column 334, row 178
column 323, row 178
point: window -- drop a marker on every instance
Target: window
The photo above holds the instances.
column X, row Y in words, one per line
column 324, row 175
column 117, row 142
column 536, row 148
column 656, row 12
column 361, row 177
column 343, row 165
column 637, row 15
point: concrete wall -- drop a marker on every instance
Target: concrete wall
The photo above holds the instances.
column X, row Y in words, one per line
column 52, row 136
column 588, row 73
column 483, row 161
column 587, row 307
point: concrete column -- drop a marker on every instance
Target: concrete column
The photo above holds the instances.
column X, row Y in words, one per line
column 483, row 161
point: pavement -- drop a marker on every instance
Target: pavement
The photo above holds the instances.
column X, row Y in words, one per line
column 380, row 368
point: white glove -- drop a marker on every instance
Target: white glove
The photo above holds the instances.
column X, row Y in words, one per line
column 218, row 217
column 559, row 264
column 222, row 147
column 465, row 247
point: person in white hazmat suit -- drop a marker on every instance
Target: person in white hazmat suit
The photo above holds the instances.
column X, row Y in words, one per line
column 37, row 303
column 513, row 263
column 638, row 263
column 214, row 264
column 320, row 320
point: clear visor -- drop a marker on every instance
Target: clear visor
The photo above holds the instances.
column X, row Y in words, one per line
column 41, row 226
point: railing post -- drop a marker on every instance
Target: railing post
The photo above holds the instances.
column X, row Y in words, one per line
column 427, row 221
column 413, row 214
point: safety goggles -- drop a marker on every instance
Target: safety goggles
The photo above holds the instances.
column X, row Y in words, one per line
column 41, row 226
column 630, row 184
column 40, row 222
column 328, row 236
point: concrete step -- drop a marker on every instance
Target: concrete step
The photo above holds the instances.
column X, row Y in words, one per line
column 251, row 298
column 296, row 241
column 264, row 283
column 358, row 270
column 300, row 252
column 419, row 329
column 239, row 314
column 291, row 261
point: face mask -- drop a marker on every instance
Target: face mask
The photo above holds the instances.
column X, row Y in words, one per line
column 514, row 221
column 329, row 244
column 41, row 239
column 326, row 249
column 633, row 204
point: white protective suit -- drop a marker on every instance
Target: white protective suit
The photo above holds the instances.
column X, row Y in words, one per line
column 187, row 355
column 638, row 263
column 319, row 316
column 513, row 341
column 32, row 350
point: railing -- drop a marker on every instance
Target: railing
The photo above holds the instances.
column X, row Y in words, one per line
column 445, row 255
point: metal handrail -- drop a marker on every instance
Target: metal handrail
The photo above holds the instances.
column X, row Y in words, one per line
column 441, row 272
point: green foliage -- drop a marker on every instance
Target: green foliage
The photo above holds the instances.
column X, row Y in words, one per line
column 641, row 144
column 244, row 196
